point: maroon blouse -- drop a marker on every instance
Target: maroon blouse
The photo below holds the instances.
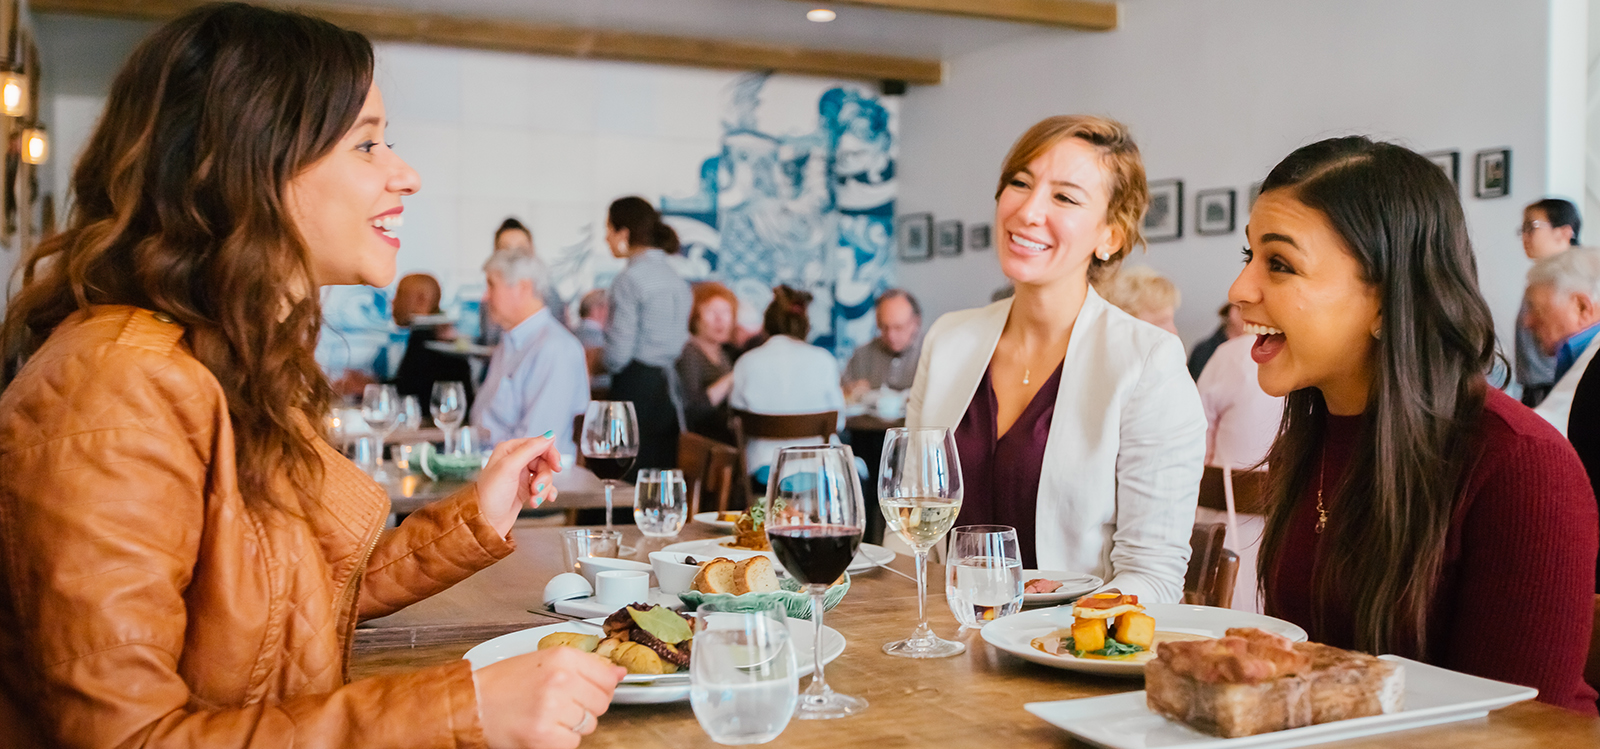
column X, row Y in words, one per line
column 1524, row 531
column 1000, row 473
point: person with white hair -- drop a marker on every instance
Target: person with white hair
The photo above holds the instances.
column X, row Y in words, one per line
column 1563, row 313
column 537, row 379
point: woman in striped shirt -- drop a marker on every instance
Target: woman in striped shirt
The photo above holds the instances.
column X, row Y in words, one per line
column 649, row 324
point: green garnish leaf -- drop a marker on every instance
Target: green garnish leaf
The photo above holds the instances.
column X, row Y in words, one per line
column 1112, row 648
column 664, row 624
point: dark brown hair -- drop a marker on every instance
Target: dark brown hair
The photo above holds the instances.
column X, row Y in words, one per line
column 1129, row 194
column 179, row 209
column 786, row 315
column 512, row 224
column 1401, row 219
column 644, row 224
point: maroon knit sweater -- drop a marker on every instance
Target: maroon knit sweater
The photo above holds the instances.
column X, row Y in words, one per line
column 1515, row 597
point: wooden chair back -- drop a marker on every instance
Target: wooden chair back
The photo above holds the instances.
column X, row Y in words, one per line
column 748, row 425
column 1221, row 593
column 1249, row 491
column 1591, row 670
column 709, row 468
column 1201, row 582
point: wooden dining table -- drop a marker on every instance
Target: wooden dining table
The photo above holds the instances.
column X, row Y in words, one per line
column 971, row 700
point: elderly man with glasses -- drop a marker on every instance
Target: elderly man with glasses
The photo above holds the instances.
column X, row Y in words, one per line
column 1549, row 228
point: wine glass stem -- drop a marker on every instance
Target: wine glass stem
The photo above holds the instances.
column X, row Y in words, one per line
column 449, row 440
column 819, row 683
column 922, row 590
column 609, row 483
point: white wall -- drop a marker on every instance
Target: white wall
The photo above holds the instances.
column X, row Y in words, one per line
column 1217, row 91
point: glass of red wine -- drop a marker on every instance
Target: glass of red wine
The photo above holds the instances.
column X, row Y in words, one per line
column 814, row 519
column 609, row 443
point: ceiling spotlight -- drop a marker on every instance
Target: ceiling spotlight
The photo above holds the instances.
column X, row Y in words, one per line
column 821, row 15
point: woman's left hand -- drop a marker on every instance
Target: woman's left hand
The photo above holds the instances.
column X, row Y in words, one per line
column 520, row 473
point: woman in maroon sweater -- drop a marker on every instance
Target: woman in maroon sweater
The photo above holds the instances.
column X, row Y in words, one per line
column 1416, row 510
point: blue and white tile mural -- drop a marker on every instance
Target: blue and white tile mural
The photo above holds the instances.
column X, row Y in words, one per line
column 793, row 192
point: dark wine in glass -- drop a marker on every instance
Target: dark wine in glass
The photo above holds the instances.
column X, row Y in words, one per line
column 609, row 468
column 814, row 520
column 609, row 443
column 815, row 554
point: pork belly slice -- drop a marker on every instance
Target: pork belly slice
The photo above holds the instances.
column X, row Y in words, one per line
column 1346, row 684
column 1224, row 709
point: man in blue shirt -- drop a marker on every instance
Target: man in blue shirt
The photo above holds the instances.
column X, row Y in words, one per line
column 537, row 380
column 1563, row 316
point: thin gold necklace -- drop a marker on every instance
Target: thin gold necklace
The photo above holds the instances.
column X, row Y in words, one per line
column 1322, row 468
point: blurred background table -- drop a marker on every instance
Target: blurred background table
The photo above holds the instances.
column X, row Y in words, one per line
column 974, row 699
column 578, row 489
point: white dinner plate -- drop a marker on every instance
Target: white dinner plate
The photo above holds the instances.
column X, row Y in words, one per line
column 1074, row 585
column 1433, row 696
column 1014, row 634
column 801, row 633
column 710, row 518
column 866, row 558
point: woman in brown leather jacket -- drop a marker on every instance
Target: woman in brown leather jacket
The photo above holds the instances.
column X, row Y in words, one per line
column 183, row 558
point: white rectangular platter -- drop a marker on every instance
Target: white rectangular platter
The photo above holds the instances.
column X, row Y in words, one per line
column 1433, row 696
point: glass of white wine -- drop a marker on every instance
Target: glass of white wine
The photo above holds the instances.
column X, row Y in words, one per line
column 919, row 490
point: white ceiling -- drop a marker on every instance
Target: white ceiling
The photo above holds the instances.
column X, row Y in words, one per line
column 769, row 21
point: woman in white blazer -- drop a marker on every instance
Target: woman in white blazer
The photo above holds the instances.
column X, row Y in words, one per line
column 1076, row 423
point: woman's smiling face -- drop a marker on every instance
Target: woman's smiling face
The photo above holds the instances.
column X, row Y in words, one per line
column 1052, row 215
column 1303, row 295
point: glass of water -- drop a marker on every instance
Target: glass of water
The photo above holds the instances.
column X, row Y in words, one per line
column 983, row 574
column 744, row 682
column 660, row 502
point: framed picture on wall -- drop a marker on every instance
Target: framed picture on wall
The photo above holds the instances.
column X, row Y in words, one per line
column 1450, row 162
column 1164, row 219
column 978, row 237
column 947, row 238
column 1492, row 175
column 913, row 236
column 1213, row 211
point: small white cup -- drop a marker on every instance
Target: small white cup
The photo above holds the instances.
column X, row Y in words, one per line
column 620, row 588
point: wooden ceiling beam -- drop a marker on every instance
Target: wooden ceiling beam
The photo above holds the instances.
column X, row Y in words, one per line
column 517, row 36
column 1083, row 15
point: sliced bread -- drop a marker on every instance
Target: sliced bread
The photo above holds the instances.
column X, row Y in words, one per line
column 755, row 575
column 715, row 576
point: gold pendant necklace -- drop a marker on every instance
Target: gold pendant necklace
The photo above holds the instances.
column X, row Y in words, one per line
column 1025, row 373
column 1322, row 512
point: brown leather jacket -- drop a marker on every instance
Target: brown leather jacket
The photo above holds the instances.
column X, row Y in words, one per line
column 143, row 604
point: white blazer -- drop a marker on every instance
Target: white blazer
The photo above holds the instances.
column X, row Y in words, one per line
column 1127, row 444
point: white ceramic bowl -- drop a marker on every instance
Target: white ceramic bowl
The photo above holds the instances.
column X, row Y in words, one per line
column 672, row 573
column 592, row 566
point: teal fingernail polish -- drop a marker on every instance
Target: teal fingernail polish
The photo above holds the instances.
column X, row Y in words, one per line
column 538, row 487
column 550, row 433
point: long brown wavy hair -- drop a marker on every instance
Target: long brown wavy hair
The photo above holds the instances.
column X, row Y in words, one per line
column 179, row 209
column 1400, row 216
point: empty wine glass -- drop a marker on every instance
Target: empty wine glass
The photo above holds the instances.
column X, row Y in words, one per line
column 449, row 407
column 380, row 408
column 610, row 443
column 814, row 519
column 919, row 491
column 410, row 413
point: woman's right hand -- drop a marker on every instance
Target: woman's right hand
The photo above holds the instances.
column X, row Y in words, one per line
column 548, row 699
